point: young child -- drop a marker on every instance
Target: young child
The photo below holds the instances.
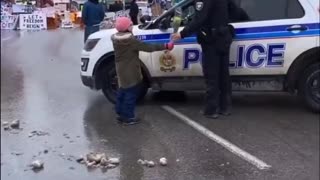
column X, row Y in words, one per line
column 128, row 68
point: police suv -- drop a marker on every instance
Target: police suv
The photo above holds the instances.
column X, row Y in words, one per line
column 275, row 49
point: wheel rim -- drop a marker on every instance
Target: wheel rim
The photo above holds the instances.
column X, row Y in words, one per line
column 313, row 86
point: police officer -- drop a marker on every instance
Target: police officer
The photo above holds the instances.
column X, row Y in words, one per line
column 215, row 36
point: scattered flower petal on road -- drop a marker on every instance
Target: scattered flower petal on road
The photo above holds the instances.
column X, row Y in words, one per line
column 163, row 161
column 37, row 165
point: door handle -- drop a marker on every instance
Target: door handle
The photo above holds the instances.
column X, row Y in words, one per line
column 297, row 28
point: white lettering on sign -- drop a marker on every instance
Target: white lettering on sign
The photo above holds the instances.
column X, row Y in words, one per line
column 36, row 21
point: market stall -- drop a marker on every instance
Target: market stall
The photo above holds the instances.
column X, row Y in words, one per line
column 60, row 15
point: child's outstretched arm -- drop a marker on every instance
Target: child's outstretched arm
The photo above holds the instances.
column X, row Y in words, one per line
column 141, row 46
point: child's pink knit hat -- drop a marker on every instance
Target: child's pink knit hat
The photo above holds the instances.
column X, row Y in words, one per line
column 123, row 24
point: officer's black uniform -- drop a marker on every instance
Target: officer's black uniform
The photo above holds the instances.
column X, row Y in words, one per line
column 213, row 34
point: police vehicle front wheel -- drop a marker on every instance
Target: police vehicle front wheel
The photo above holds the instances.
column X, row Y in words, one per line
column 309, row 87
column 110, row 84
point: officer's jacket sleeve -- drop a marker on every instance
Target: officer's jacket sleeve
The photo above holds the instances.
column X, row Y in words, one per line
column 141, row 46
column 201, row 15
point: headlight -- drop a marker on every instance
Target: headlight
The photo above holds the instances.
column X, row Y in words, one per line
column 90, row 44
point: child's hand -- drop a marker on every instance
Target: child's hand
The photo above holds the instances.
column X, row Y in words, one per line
column 169, row 46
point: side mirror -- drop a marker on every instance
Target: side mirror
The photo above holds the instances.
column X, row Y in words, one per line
column 163, row 24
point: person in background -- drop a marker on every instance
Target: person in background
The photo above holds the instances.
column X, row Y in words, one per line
column 92, row 16
column 155, row 7
column 134, row 11
column 118, row 5
column 128, row 68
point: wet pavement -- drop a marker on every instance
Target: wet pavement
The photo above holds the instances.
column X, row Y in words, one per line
column 41, row 86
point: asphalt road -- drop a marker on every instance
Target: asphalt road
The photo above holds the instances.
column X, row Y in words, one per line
column 40, row 86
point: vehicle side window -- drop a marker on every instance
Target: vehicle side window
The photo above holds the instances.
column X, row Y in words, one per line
column 260, row 10
column 295, row 10
column 187, row 15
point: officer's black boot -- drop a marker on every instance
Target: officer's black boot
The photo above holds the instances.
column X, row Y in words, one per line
column 211, row 109
column 212, row 102
column 215, row 115
column 225, row 105
column 225, row 111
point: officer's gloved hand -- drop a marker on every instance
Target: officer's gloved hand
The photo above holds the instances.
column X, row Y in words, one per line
column 176, row 37
column 169, row 46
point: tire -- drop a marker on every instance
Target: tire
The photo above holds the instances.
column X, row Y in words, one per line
column 110, row 84
column 309, row 87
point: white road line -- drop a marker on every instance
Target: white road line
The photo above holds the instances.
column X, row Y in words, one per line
column 225, row 143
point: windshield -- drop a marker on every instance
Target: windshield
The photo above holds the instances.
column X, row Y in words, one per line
column 170, row 11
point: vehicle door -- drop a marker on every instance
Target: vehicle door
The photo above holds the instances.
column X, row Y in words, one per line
column 186, row 52
column 275, row 33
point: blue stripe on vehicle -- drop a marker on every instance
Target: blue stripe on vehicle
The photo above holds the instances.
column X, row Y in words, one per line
column 284, row 34
column 243, row 37
column 254, row 33
column 312, row 26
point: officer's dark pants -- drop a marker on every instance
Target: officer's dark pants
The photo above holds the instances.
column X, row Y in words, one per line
column 215, row 65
